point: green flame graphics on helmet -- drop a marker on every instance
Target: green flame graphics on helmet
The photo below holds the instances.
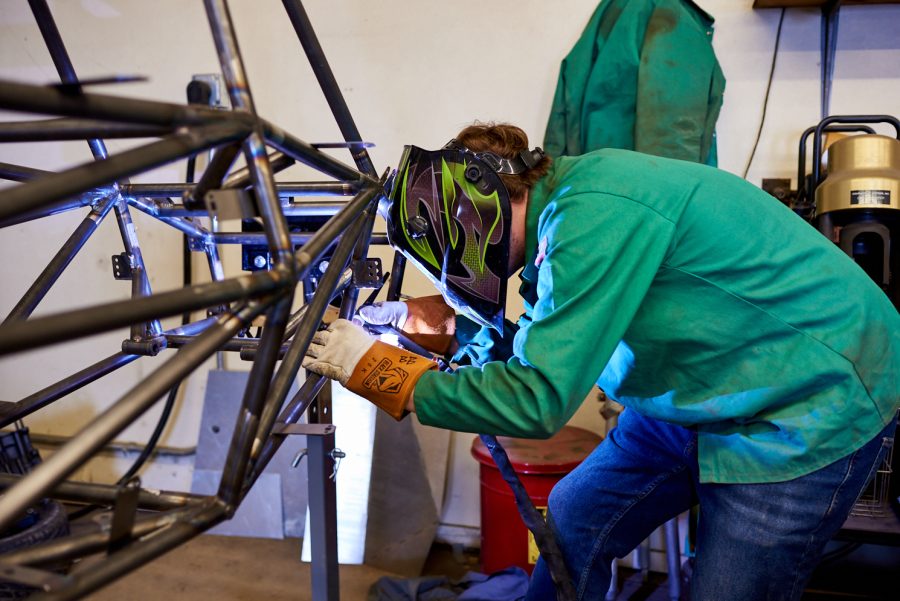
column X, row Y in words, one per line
column 450, row 214
column 418, row 246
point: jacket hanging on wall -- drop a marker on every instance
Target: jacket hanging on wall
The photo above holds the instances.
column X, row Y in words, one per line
column 643, row 76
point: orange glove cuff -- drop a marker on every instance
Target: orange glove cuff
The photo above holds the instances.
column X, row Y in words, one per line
column 386, row 376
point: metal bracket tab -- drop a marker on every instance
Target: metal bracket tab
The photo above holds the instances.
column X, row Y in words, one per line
column 367, row 273
column 230, row 204
column 123, row 515
column 303, row 429
column 122, row 269
column 196, row 244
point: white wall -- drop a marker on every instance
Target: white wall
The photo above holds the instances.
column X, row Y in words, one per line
column 412, row 72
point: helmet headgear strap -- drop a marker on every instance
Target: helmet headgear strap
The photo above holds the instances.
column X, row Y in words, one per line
column 522, row 162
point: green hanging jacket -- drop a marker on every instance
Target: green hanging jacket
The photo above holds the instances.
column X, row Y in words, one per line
column 643, row 76
column 693, row 297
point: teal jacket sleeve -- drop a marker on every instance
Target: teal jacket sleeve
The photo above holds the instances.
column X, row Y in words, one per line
column 602, row 253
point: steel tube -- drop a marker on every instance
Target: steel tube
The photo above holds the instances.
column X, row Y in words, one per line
column 67, row 75
column 18, row 336
column 20, row 173
column 310, row 42
column 316, row 189
column 290, row 189
column 53, row 130
column 136, row 554
column 259, row 238
column 262, row 176
column 255, row 396
column 119, row 416
column 233, row 345
column 80, row 545
column 52, row 393
column 30, row 98
column 52, row 38
column 297, row 317
column 326, row 234
column 41, row 286
column 88, row 492
column 398, row 269
column 278, row 161
column 184, row 226
column 292, row 412
column 46, row 190
column 310, row 155
column 215, row 172
column 85, row 200
column 306, row 328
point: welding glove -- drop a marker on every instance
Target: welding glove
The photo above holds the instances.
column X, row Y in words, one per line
column 428, row 321
column 382, row 373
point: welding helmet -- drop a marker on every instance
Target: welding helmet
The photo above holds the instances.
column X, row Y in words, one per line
column 449, row 213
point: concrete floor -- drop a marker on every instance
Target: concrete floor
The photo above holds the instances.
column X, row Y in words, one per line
column 232, row 569
column 251, row 569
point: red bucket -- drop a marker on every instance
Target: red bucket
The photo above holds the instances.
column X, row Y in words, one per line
column 540, row 464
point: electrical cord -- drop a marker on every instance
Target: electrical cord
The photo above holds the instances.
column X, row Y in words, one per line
column 762, row 120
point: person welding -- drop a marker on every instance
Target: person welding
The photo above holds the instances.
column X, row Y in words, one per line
column 758, row 365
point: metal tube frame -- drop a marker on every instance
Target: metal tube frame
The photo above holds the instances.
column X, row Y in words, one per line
column 182, row 131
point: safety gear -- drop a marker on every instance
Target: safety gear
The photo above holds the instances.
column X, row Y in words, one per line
column 377, row 371
column 449, row 214
column 428, row 321
column 390, row 313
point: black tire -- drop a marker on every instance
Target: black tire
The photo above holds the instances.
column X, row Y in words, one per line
column 51, row 523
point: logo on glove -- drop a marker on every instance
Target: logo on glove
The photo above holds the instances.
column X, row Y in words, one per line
column 386, row 378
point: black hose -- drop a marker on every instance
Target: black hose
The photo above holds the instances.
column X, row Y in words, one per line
column 534, row 521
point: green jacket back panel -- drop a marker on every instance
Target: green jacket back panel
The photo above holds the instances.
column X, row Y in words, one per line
column 643, row 76
column 691, row 296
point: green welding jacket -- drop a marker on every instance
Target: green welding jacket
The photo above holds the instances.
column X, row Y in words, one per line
column 643, row 76
column 690, row 296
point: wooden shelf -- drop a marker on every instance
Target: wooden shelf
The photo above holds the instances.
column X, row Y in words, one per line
column 810, row 3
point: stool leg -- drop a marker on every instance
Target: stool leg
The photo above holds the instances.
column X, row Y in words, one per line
column 644, row 559
column 673, row 557
column 613, row 591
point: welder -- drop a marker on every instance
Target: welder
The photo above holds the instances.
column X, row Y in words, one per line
column 758, row 365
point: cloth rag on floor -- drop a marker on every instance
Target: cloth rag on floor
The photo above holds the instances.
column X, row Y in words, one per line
column 506, row 585
column 643, row 76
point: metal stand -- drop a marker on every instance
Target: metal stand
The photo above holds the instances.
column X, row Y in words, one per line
column 322, row 470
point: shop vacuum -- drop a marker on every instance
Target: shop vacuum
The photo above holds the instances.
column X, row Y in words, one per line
column 855, row 202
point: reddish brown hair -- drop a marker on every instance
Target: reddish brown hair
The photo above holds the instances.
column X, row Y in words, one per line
column 506, row 141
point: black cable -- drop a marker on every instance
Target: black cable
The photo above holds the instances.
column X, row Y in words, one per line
column 534, row 521
column 762, row 121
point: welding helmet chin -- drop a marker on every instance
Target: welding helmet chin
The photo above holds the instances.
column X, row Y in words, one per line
column 449, row 213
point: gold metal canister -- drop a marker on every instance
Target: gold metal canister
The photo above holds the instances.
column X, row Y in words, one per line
column 863, row 173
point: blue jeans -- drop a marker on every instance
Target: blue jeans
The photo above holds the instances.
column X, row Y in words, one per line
column 754, row 541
